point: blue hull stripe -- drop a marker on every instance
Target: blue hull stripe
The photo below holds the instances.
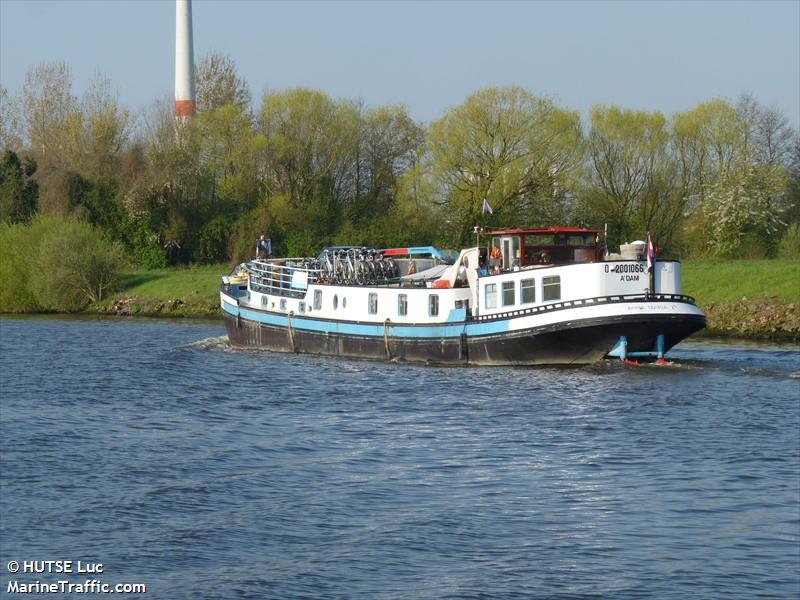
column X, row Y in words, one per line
column 368, row 329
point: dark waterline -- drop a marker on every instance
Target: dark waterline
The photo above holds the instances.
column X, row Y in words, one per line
column 203, row 472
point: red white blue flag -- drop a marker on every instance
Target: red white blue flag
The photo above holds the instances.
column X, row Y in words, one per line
column 651, row 255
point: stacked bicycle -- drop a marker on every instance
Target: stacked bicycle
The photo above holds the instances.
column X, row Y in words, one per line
column 356, row 266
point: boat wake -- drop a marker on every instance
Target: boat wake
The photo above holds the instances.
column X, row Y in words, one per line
column 212, row 343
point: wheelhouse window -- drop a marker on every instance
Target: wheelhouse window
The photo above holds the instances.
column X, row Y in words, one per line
column 508, row 293
column 527, row 291
column 317, row 299
column 551, row 288
column 433, row 305
column 402, row 305
column 491, row 295
column 373, row 304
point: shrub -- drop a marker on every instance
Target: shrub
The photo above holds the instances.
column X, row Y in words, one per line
column 145, row 249
column 19, row 193
column 789, row 246
column 247, row 229
column 212, row 244
column 17, row 246
column 74, row 265
column 55, row 263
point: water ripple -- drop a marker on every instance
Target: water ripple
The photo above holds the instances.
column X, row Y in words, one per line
column 208, row 472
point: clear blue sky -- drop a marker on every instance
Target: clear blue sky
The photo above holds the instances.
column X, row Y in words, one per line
column 666, row 56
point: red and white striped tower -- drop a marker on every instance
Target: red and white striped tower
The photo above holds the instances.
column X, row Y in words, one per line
column 184, row 60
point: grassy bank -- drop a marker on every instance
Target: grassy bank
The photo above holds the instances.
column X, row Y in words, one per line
column 742, row 298
column 747, row 298
column 188, row 292
column 725, row 281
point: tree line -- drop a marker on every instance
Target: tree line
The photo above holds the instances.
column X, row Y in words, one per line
column 308, row 170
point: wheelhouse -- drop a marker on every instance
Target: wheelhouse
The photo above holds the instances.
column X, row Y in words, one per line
column 546, row 245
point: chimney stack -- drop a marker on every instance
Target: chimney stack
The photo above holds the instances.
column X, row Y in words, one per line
column 184, row 60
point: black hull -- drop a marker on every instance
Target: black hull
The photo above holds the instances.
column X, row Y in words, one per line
column 580, row 342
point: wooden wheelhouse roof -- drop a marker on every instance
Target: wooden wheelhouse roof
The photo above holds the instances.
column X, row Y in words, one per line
column 545, row 231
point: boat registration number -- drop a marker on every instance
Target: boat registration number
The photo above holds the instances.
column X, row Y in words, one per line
column 626, row 268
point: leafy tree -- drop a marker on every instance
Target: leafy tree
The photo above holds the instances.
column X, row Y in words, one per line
column 231, row 153
column 174, row 198
column 19, row 192
column 311, row 146
column 507, row 146
column 390, row 143
column 633, row 185
column 247, row 228
column 744, row 202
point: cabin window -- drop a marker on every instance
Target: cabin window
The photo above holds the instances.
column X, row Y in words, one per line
column 527, row 291
column 491, row 295
column 373, row 304
column 283, row 303
column 344, row 302
column 551, row 288
column 317, row 299
column 263, row 300
column 508, row 293
column 433, row 305
column 402, row 305
column 335, row 301
column 302, row 306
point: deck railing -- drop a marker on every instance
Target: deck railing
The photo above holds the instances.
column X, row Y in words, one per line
column 284, row 277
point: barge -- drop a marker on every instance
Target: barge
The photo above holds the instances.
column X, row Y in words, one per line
column 536, row 296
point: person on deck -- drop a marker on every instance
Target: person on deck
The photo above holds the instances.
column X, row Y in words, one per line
column 496, row 259
column 461, row 277
column 263, row 247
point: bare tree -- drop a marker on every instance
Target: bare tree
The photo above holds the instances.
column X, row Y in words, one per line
column 48, row 109
column 219, row 84
column 106, row 128
column 10, row 138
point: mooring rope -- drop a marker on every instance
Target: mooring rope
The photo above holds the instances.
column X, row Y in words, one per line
column 291, row 333
column 386, row 339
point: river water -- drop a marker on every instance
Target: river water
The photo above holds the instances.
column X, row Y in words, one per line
column 203, row 472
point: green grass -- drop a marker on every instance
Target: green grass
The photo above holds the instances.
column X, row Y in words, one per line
column 169, row 284
column 720, row 281
column 156, row 291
